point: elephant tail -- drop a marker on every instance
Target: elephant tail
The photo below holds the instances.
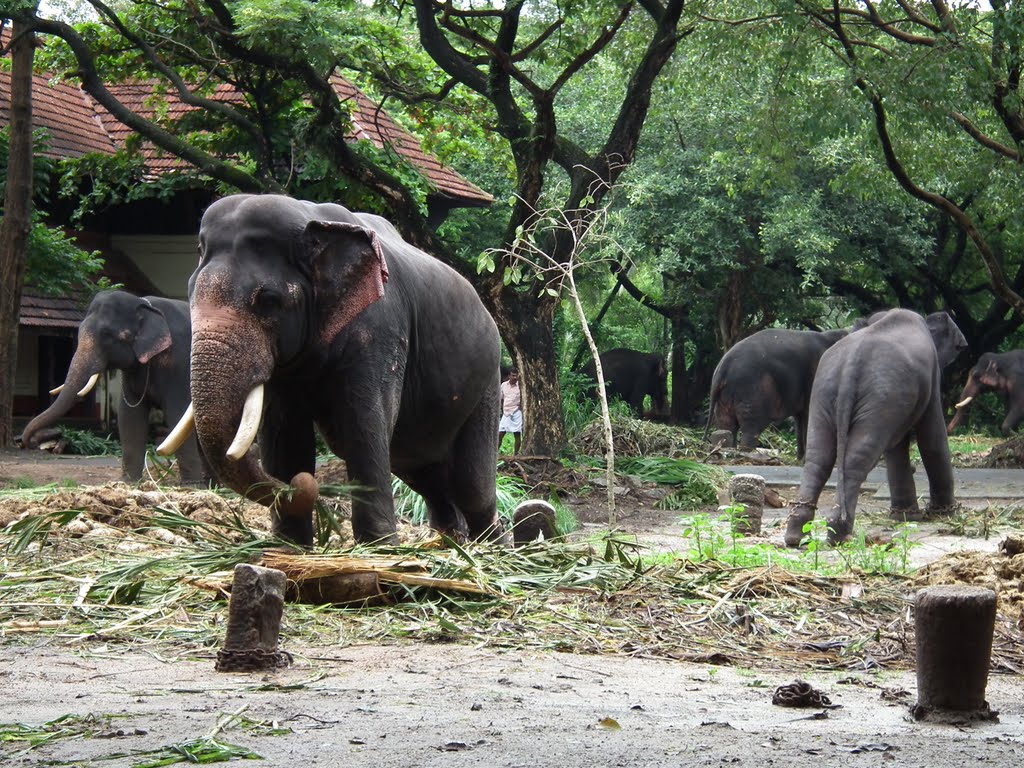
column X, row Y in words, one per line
column 844, row 419
column 715, row 389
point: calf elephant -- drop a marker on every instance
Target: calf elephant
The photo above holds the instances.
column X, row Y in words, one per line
column 873, row 390
column 764, row 379
column 329, row 319
column 147, row 339
column 631, row 376
column 995, row 372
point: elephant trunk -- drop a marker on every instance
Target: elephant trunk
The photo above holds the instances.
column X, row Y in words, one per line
column 86, row 364
column 230, row 360
column 971, row 391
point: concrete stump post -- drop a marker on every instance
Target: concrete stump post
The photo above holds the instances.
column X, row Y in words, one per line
column 254, row 621
column 748, row 490
column 721, row 438
column 532, row 520
column 953, row 627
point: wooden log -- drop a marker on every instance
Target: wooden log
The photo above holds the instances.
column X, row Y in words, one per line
column 953, row 628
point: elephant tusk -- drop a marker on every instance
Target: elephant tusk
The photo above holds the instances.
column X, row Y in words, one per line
column 252, row 413
column 964, row 402
column 56, row 390
column 179, row 434
column 89, row 385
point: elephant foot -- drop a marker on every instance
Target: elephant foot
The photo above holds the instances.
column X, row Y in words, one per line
column 840, row 527
column 906, row 514
column 942, row 510
column 800, row 514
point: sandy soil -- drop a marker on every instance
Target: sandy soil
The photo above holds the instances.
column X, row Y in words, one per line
column 419, row 704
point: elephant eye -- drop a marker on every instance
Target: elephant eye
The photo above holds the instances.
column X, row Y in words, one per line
column 267, row 301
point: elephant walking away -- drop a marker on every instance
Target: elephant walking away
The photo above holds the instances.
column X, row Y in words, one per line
column 147, row 339
column 631, row 376
column 873, row 390
column 764, row 379
column 995, row 372
column 307, row 316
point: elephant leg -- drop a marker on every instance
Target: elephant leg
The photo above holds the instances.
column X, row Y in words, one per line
column 864, row 447
column 933, row 445
column 472, row 462
column 191, row 463
column 433, row 483
column 749, row 432
column 900, row 474
column 821, row 458
column 133, row 426
column 1014, row 416
column 287, row 447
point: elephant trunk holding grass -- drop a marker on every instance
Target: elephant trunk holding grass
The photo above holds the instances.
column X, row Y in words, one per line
column 307, row 316
column 873, row 390
column 764, row 379
column 147, row 339
column 995, row 372
column 632, row 376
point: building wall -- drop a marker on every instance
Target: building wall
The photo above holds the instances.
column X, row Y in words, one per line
column 167, row 260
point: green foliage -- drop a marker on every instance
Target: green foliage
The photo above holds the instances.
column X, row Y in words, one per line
column 54, row 265
column 715, row 538
column 85, row 443
column 694, row 484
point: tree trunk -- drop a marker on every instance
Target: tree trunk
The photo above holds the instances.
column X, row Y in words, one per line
column 526, row 328
column 17, row 221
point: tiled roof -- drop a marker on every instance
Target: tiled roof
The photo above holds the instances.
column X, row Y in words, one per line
column 50, row 311
column 77, row 125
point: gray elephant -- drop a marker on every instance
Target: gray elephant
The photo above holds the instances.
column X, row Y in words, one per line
column 764, row 379
column 873, row 390
column 309, row 316
column 147, row 339
column 995, row 372
column 631, row 376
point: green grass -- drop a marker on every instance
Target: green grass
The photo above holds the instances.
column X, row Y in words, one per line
column 714, row 538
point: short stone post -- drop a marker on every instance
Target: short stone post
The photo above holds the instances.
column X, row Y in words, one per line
column 532, row 520
column 722, row 438
column 953, row 628
column 747, row 490
column 254, row 621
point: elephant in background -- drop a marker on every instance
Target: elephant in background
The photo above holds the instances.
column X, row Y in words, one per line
column 631, row 376
column 307, row 316
column 995, row 372
column 873, row 390
column 147, row 339
column 764, row 379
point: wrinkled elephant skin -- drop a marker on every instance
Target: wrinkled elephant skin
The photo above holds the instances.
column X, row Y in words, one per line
column 764, row 379
column 873, row 390
column 1002, row 373
column 350, row 330
column 631, row 376
column 146, row 339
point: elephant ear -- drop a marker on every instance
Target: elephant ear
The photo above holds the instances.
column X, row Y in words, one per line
column 949, row 341
column 153, row 335
column 348, row 270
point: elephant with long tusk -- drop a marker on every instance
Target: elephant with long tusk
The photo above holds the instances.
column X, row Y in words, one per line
column 147, row 339
column 308, row 316
column 999, row 372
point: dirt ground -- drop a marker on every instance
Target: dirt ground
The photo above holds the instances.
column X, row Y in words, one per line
column 420, row 704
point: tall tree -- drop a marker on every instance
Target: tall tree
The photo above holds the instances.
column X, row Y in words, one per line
column 516, row 58
column 17, row 219
column 943, row 85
